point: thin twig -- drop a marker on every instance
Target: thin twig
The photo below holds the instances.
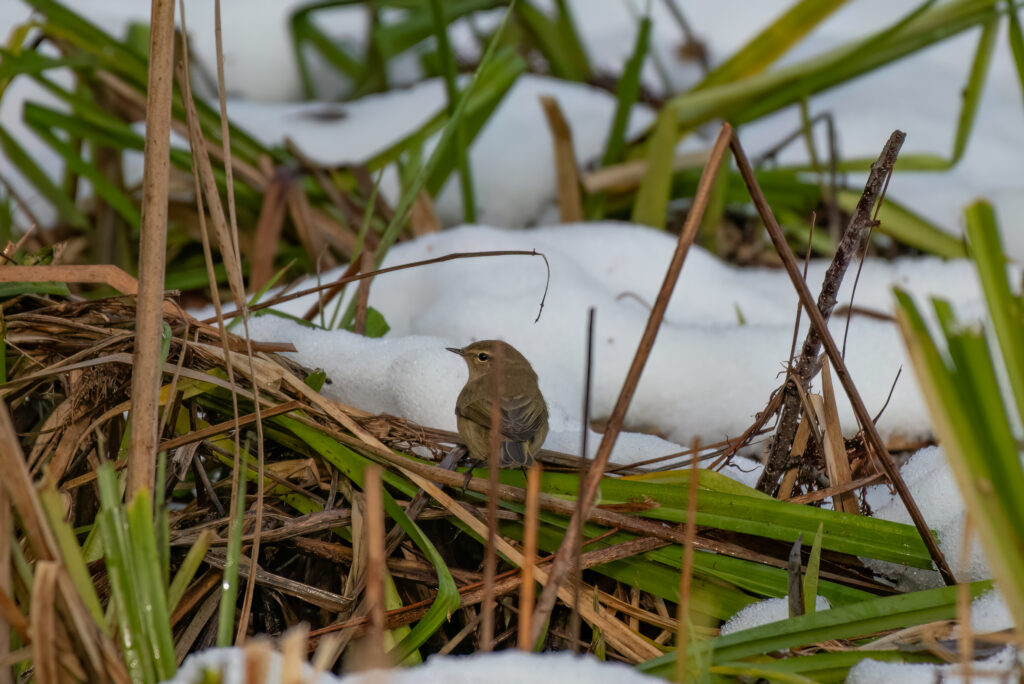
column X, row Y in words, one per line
column 806, row 365
column 359, row 276
column 860, row 264
column 362, row 296
column 560, row 567
column 872, row 438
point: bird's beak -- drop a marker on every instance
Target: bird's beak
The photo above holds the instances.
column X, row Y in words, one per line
column 455, row 350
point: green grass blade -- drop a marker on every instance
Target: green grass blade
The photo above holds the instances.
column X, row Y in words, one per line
column 494, row 84
column 909, row 228
column 351, row 465
column 844, row 622
column 306, row 34
column 626, row 93
column 773, row 42
column 1003, row 307
column 124, row 589
column 761, row 94
column 447, row 58
column 71, row 552
column 440, row 161
column 112, row 54
column 710, row 597
column 975, row 87
column 763, row 516
column 110, row 193
column 825, row 667
column 394, row 38
column 229, row 583
column 950, row 390
column 811, row 576
column 556, row 39
column 27, row 167
column 1016, row 39
column 30, row 62
column 651, row 203
column 188, row 568
column 150, row 585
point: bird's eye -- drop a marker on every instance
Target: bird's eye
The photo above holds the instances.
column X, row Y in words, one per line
column 483, row 356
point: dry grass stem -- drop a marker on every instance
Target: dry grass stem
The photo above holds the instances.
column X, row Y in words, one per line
column 836, row 461
column 376, row 570
column 805, row 366
column 527, row 591
column 683, row 636
column 873, row 439
column 570, row 203
column 593, row 477
column 152, row 249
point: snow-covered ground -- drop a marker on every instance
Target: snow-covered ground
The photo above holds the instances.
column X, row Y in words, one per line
column 706, row 377
column 505, row 667
column 708, row 374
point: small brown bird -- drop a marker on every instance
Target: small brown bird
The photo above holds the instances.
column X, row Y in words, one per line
column 524, row 413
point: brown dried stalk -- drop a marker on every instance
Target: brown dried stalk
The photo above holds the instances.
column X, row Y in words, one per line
column 590, row 484
column 806, row 366
column 871, row 436
column 146, row 365
column 570, row 205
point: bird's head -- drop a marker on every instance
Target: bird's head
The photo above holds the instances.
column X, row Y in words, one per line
column 481, row 357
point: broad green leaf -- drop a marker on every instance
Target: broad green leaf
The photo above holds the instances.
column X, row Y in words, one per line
column 767, row 517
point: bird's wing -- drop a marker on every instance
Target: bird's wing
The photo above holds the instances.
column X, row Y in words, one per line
column 521, row 419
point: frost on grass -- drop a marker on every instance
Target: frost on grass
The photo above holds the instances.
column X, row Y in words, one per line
column 1003, row 667
column 765, row 612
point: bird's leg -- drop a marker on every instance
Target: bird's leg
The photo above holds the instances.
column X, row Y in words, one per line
column 453, row 457
column 474, row 463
